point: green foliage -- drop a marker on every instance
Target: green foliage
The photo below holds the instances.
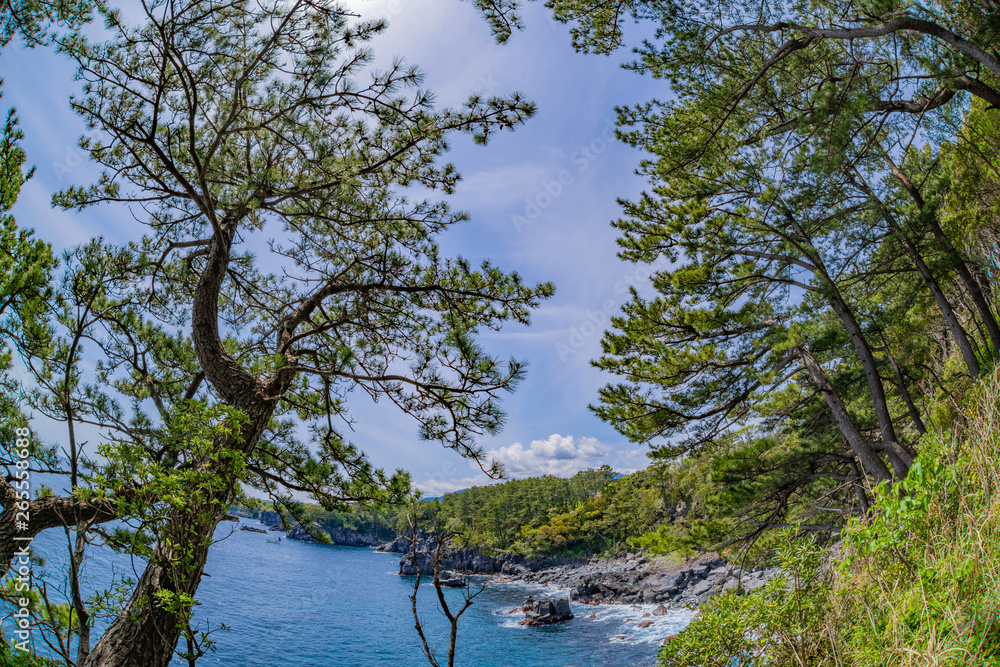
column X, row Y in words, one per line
column 151, row 495
column 781, row 624
column 11, row 657
column 504, row 516
column 924, row 570
column 916, row 583
column 35, row 20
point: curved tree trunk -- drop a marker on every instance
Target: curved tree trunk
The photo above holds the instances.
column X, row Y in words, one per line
column 899, row 457
column 969, row 281
column 930, row 214
column 863, row 449
column 958, row 332
column 145, row 633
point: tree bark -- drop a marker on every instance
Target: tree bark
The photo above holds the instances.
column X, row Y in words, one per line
column 44, row 513
column 145, row 634
column 958, row 332
column 899, row 457
column 863, row 449
column 904, row 393
column 969, row 281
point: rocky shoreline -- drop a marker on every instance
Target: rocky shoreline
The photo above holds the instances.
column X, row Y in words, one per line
column 628, row 578
column 339, row 536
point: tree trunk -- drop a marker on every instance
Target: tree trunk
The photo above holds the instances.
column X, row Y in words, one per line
column 958, row 332
column 900, row 459
column 77, row 549
column 955, row 258
column 859, row 489
column 904, row 393
column 863, row 449
column 145, row 634
column 43, row 513
column 969, row 281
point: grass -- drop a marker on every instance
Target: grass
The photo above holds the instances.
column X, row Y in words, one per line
column 917, row 584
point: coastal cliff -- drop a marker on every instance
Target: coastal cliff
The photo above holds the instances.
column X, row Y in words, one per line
column 624, row 579
column 342, row 535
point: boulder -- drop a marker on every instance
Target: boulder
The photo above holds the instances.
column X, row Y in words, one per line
column 448, row 578
column 660, row 611
column 546, row 611
column 299, row 533
column 700, row 570
column 451, row 579
column 644, row 624
column 701, row 588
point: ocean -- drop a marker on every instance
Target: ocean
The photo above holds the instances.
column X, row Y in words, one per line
column 295, row 603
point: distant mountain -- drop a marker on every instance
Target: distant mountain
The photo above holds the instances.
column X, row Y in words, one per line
column 442, row 497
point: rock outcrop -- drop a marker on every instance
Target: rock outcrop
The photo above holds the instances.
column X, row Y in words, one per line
column 251, row 529
column 637, row 579
column 627, row 578
column 340, row 536
column 545, row 611
column 299, row 533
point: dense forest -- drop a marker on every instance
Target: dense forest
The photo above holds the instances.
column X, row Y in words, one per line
column 814, row 371
column 596, row 511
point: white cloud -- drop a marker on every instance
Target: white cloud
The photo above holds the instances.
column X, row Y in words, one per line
column 629, row 460
column 559, row 455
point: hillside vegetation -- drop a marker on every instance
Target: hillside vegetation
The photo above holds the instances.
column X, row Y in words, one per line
column 915, row 583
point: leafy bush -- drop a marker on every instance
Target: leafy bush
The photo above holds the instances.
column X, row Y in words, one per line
column 916, row 583
column 782, row 624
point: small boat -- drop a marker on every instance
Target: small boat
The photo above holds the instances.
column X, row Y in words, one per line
column 273, row 541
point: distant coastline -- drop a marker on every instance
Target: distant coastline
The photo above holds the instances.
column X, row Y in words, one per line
column 625, row 578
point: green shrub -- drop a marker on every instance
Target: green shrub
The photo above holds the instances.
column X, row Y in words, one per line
column 916, row 583
column 781, row 624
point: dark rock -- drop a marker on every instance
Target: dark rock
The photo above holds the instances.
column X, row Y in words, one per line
column 644, row 624
column 451, row 579
column 546, row 611
column 660, row 611
column 299, row 533
column 630, row 578
column 701, row 588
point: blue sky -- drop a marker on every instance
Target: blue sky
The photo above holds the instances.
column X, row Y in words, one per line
column 540, row 199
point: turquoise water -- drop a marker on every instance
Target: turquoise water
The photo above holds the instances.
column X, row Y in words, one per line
column 309, row 604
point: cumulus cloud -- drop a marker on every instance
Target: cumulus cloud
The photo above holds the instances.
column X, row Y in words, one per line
column 559, row 455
